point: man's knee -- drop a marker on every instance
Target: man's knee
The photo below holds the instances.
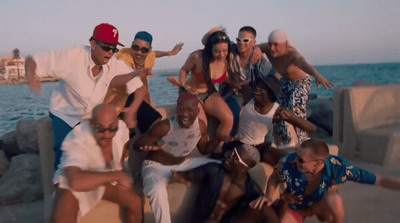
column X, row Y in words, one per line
column 65, row 207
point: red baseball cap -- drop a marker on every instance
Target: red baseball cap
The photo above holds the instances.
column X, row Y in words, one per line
column 106, row 33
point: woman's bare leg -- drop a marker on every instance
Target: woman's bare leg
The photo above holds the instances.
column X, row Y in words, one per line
column 217, row 107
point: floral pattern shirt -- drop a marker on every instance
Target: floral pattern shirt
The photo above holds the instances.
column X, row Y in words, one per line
column 337, row 171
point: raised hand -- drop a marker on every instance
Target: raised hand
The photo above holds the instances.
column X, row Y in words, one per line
column 176, row 49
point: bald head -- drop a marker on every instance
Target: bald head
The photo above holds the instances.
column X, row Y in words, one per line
column 102, row 110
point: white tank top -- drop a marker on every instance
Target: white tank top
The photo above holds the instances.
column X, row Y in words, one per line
column 253, row 126
column 181, row 141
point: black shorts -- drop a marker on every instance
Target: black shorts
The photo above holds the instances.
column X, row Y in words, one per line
column 146, row 114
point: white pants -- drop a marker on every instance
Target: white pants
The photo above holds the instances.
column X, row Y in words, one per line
column 155, row 180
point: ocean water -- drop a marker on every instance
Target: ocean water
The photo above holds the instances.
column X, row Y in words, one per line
column 17, row 102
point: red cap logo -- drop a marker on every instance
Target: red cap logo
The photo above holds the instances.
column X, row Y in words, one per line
column 106, row 33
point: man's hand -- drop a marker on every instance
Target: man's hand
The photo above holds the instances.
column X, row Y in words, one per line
column 283, row 114
column 152, row 147
column 237, row 86
column 291, row 198
column 259, row 202
column 144, row 72
column 257, row 56
column 177, row 48
column 124, row 181
column 322, row 80
column 179, row 178
column 130, row 117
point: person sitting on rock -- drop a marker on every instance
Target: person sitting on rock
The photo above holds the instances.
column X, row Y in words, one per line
column 256, row 122
column 169, row 142
column 91, row 168
column 226, row 189
column 312, row 177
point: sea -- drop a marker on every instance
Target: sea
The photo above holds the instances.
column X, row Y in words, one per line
column 17, row 102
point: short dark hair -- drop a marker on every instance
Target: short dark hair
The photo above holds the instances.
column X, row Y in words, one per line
column 248, row 29
column 318, row 147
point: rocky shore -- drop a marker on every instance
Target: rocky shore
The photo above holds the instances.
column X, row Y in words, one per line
column 21, row 192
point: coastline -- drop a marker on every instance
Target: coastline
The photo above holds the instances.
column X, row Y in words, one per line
column 24, row 81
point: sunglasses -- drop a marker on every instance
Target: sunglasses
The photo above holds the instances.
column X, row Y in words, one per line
column 106, row 48
column 101, row 129
column 137, row 48
column 235, row 153
column 244, row 40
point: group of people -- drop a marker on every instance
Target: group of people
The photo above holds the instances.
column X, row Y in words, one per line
column 102, row 100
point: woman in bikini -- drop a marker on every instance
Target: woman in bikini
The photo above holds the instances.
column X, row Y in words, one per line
column 208, row 67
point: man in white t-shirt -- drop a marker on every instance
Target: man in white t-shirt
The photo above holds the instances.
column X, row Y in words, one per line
column 91, row 168
column 85, row 74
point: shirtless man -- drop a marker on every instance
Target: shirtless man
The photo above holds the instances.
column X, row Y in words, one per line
column 225, row 189
column 295, row 73
column 169, row 142
column 243, row 66
column 91, row 168
column 313, row 176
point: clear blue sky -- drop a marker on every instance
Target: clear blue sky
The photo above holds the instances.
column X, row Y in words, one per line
column 325, row 32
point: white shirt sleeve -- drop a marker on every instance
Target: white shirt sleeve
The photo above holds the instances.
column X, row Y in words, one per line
column 133, row 84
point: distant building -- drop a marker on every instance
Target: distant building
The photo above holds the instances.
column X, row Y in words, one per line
column 12, row 69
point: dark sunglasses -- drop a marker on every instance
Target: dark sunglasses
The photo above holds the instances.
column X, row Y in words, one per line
column 101, row 129
column 244, row 40
column 137, row 48
column 106, row 48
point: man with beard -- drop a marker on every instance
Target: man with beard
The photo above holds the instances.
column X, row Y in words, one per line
column 169, row 142
column 91, row 168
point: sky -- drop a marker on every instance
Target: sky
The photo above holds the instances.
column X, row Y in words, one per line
column 325, row 32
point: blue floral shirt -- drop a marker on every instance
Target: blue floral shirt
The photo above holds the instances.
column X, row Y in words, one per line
column 337, row 171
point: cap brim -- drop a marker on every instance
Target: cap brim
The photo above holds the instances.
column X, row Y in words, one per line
column 121, row 44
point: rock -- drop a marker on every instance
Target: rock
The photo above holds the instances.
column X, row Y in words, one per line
column 9, row 144
column 26, row 135
column 362, row 83
column 322, row 113
column 4, row 163
column 23, row 180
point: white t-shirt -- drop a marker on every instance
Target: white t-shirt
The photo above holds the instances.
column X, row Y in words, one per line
column 78, row 91
column 253, row 126
column 80, row 149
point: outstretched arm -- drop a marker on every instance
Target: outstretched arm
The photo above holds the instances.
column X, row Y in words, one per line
column 82, row 180
column 177, row 48
column 307, row 68
column 148, row 141
column 289, row 116
column 121, row 80
column 30, row 74
column 387, row 183
column 184, row 71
